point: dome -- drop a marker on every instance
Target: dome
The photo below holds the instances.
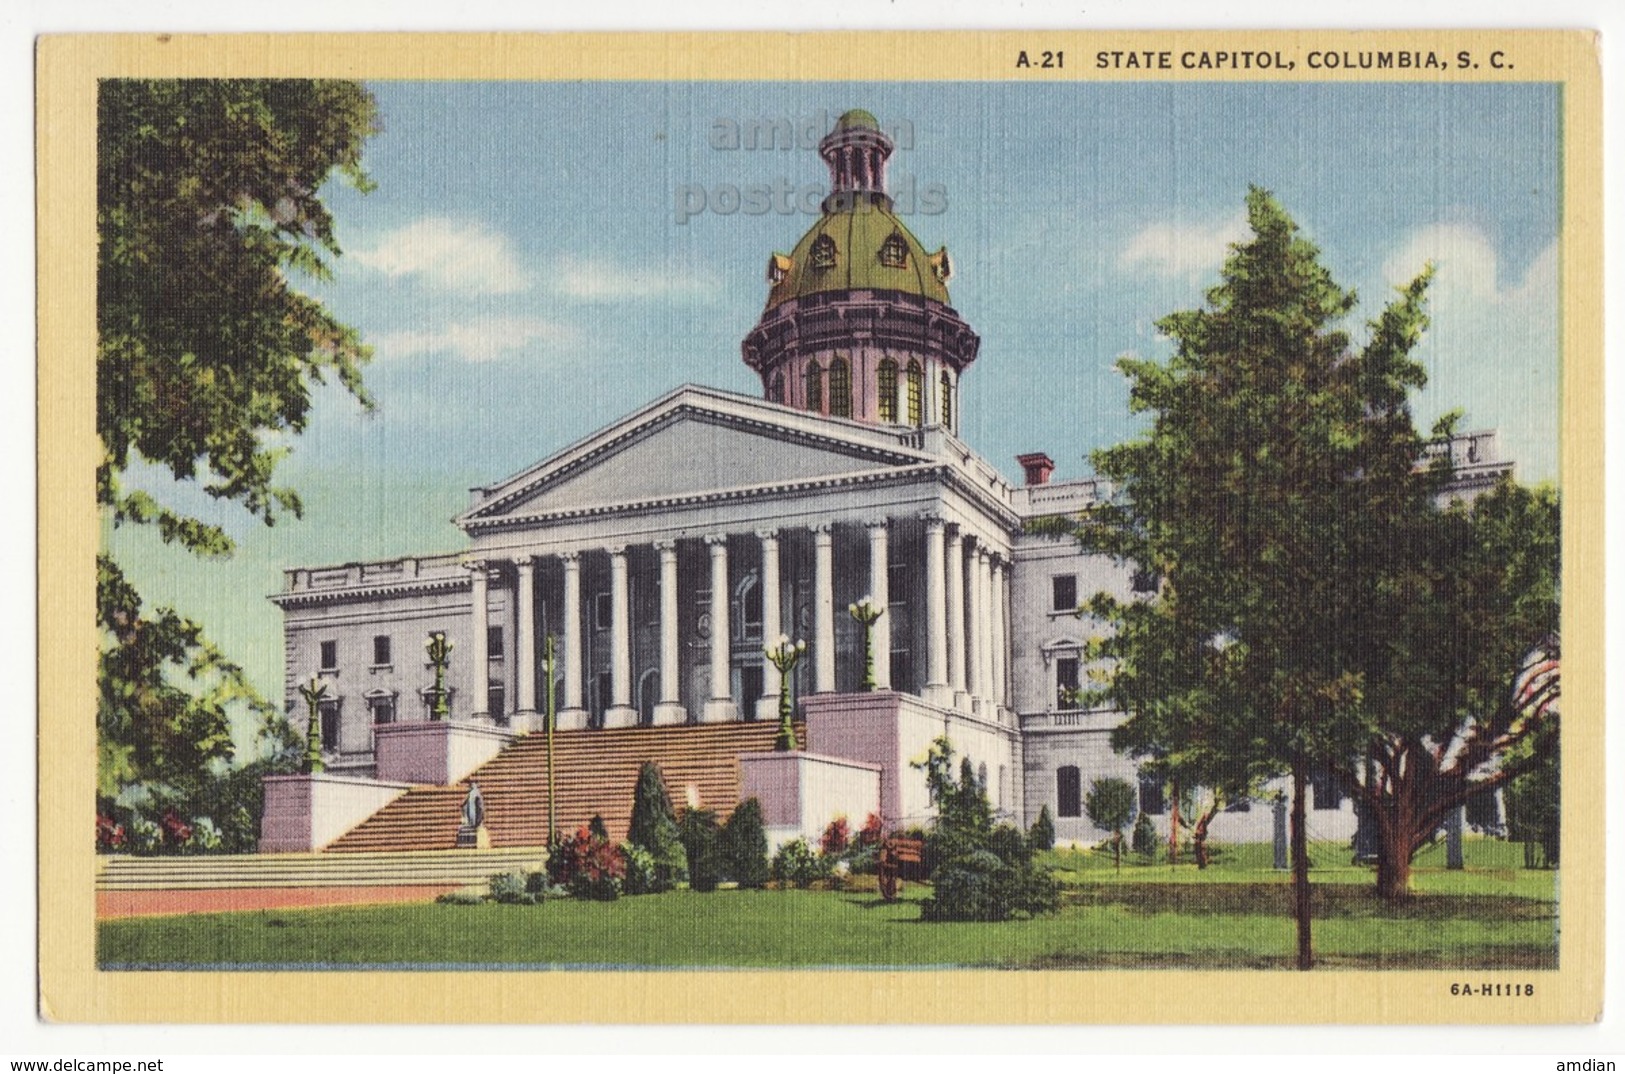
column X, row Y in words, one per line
column 860, row 244
column 857, row 119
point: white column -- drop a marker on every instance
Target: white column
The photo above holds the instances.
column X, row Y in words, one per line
column 524, row 641
column 936, row 689
column 620, row 712
column 880, row 589
column 670, row 709
column 956, row 620
column 767, row 706
column 479, row 658
column 823, row 609
column 974, row 642
column 573, row 715
column 984, row 632
column 1000, row 638
column 720, row 707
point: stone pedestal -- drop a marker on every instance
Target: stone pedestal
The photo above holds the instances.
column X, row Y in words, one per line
column 473, row 838
column 572, row 719
column 307, row 812
column 670, row 714
column 621, row 716
column 800, row 793
column 437, row 752
column 719, row 710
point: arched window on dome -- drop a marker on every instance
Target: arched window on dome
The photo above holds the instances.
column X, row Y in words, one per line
column 948, row 401
column 840, row 388
column 916, row 394
column 775, row 389
column 894, row 251
column 888, row 390
column 815, row 387
column 823, row 253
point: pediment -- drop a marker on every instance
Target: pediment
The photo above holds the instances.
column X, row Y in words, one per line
column 692, row 444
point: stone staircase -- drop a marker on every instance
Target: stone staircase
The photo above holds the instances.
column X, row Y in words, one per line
column 596, row 771
column 205, row 872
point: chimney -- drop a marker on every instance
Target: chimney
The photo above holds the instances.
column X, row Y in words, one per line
column 1037, row 466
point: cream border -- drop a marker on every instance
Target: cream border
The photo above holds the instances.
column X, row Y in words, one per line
column 72, row 989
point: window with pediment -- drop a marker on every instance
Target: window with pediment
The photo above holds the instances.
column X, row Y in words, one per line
column 823, row 253
column 894, row 251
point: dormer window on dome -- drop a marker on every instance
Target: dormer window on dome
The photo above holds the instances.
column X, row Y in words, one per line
column 778, row 267
column 894, row 252
column 822, row 255
column 941, row 267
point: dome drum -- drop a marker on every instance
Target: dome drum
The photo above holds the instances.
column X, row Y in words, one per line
column 920, row 327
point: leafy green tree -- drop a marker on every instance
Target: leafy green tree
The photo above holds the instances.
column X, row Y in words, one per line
column 1109, row 805
column 207, row 212
column 654, row 828
column 702, row 839
column 744, row 845
column 1144, row 837
column 1535, row 807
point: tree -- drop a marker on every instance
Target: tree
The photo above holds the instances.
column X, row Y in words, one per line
column 654, row 828
column 207, row 353
column 744, row 845
column 1041, row 836
column 702, row 840
column 1109, row 805
column 1263, row 495
column 1461, row 689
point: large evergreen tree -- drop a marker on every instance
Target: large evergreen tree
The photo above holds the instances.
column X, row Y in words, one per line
column 208, row 211
column 654, row 828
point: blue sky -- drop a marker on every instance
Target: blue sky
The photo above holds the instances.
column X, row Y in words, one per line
column 523, row 274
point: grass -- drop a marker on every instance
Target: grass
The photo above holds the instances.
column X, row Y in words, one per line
column 1233, row 915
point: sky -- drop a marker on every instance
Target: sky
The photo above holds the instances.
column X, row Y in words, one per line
column 538, row 260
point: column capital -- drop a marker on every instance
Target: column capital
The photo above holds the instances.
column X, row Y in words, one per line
column 872, row 524
column 983, row 552
column 716, row 541
column 821, row 529
column 934, row 520
column 667, row 547
column 617, row 550
column 570, row 559
column 767, row 535
column 525, row 564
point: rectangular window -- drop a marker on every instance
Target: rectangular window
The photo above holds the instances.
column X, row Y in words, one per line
column 329, row 713
column 1068, row 792
column 603, row 611
column 493, row 641
column 495, row 699
column 383, row 710
column 897, row 579
column 380, row 651
column 1064, row 593
column 1152, row 799
column 330, row 655
column 1066, row 682
column 1145, row 581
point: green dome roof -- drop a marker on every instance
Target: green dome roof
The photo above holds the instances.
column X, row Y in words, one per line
column 857, row 119
column 858, row 234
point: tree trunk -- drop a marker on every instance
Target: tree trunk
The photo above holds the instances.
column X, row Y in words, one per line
column 1300, row 866
column 1117, row 852
column 1398, row 835
column 1173, row 828
column 1199, row 834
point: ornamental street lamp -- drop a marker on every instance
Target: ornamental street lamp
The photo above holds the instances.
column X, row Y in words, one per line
column 785, row 655
column 440, row 656
column 866, row 611
column 313, row 692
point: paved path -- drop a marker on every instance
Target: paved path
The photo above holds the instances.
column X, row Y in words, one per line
column 115, row 904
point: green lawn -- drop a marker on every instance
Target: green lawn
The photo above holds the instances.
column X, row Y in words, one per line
column 1230, row 916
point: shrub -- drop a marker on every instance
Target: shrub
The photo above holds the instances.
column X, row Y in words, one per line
column 640, row 871
column 835, row 839
column 1144, row 839
column 461, row 898
column 176, row 832
column 864, row 859
column 591, row 867
column 1041, row 836
column 654, row 830
column 145, row 836
column 205, row 837
column 702, row 839
column 872, row 832
column 744, row 845
column 510, row 888
column 110, row 835
column 796, row 864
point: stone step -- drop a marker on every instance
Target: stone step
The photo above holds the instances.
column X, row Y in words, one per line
column 201, row 872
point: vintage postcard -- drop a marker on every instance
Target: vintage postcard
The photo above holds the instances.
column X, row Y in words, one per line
column 903, row 527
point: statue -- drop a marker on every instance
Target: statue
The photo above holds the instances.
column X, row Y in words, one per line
column 471, row 833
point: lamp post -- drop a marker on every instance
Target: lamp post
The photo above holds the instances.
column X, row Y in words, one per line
column 313, row 692
column 866, row 611
column 785, row 655
column 440, row 656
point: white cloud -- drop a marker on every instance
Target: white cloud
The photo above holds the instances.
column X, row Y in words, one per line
column 461, row 256
column 598, row 281
column 482, row 340
column 1185, row 252
column 1492, row 349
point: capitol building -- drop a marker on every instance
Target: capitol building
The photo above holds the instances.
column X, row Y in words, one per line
column 656, row 558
